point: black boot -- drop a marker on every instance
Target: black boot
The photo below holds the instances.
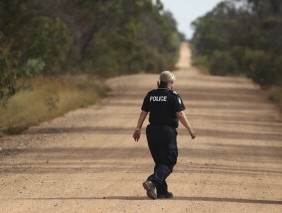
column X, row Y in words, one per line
column 151, row 189
column 165, row 195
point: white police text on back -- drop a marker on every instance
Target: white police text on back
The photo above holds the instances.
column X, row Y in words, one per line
column 158, row 98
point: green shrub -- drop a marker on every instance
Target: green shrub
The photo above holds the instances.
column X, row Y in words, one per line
column 44, row 48
column 7, row 78
column 33, row 67
column 222, row 63
column 263, row 67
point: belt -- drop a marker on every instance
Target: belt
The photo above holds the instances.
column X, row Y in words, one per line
column 162, row 125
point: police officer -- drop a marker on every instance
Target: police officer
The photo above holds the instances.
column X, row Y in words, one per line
column 165, row 108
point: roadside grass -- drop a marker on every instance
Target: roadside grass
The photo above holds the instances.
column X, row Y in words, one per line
column 44, row 98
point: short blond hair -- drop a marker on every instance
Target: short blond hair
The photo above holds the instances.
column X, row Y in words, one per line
column 167, row 76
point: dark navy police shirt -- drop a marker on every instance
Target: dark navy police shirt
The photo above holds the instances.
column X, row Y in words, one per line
column 163, row 104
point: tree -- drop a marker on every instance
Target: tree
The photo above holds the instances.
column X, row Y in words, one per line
column 104, row 38
column 242, row 36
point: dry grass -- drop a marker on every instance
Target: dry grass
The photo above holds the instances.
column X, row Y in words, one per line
column 42, row 99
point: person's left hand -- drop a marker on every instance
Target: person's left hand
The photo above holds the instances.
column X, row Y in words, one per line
column 136, row 134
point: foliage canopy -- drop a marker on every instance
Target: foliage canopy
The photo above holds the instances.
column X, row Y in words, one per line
column 242, row 37
column 104, row 38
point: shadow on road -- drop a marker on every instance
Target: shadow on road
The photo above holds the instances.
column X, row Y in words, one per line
column 92, row 160
column 197, row 199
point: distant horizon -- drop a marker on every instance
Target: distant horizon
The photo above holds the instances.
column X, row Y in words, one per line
column 187, row 11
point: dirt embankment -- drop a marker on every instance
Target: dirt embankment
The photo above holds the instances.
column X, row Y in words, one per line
column 86, row 161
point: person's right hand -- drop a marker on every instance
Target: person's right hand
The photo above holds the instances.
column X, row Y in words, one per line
column 193, row 134
column 136, row 135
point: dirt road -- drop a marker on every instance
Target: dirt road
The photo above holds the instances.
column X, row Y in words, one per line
column 87, row 161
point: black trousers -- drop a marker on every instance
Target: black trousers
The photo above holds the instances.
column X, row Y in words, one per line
column 163, row 147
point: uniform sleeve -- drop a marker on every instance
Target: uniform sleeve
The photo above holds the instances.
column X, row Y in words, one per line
column 146, row 104
column 178, row 103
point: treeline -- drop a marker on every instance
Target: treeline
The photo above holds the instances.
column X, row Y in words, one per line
column 103, row 38
column 242, row 37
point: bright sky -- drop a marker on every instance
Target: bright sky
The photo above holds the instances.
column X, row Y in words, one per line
column 186, row 11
